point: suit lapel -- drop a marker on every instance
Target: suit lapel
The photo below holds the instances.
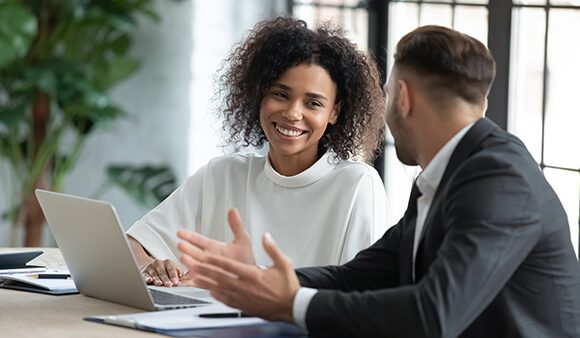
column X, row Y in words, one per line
column 480, row 130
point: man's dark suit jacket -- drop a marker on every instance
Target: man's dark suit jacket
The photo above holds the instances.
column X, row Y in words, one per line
column 495, row 258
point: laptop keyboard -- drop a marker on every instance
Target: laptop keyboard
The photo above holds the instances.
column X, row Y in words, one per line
column 167, row 298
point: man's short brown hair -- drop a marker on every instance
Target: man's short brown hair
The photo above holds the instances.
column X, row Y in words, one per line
column 448, row 64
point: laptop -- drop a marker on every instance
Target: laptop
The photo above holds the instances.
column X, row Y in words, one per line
column 98, row 256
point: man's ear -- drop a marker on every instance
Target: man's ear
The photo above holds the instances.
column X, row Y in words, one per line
column 335, row 113
column 485, row 102
column 404, row 97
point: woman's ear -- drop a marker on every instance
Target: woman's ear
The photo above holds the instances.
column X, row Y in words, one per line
column 335, row 113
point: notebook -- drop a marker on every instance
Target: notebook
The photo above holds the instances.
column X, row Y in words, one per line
column 17, row 262
column 180, row 319
column 36, row 283
column 98, row 256
column 216, row 320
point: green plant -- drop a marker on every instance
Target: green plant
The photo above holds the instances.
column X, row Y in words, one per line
column 147, row 185
column 58, row 59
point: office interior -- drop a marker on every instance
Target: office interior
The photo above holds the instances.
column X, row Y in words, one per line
column 169, row 100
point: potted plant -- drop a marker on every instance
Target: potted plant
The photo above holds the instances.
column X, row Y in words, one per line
column 58, row 60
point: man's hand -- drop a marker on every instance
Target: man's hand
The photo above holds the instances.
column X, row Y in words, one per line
column 265, row 293
column 239, row 249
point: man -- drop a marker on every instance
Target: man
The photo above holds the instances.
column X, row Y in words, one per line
column 483, row 249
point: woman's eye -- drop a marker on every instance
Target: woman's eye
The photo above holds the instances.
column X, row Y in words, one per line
column 280, row 94
column 315, row 104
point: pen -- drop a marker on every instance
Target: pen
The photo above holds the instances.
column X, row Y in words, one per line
column 225, row 315
column 52, row 276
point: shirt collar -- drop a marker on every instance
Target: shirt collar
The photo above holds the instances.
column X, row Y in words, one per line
column 429, row 179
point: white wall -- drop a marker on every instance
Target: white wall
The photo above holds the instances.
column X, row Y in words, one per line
column 217, row 26
column 157, row 100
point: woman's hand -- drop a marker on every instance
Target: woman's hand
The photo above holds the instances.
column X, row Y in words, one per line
column 156, row 271
column 163, row 273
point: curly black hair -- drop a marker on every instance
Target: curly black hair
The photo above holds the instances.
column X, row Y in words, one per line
column 271, row 48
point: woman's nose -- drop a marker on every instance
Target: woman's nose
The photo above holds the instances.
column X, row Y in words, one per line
column 293, row 113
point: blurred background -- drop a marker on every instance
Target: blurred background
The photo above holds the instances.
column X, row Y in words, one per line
column 113, row 99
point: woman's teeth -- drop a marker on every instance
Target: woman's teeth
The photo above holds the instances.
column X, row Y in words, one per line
column 288, row 132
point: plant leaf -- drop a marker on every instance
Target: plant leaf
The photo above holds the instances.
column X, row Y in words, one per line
column 148, row 185
column 10, row 116
column 17, row 29
column 115, row 70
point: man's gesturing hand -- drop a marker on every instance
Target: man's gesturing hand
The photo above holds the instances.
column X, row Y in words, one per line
column 195, row 244
column 267, row 293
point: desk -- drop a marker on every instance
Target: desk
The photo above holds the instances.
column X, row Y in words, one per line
column 27, row 314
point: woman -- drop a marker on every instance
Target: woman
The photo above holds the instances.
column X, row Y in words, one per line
column 317, row 103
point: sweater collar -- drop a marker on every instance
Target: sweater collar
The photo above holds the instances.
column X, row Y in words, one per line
column 307, row 177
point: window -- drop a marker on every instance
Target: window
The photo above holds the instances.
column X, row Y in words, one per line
column 351, row 15
column 469, row 17
column 534, row 89
column 542, row 110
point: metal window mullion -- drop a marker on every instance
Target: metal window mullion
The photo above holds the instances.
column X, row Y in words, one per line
column 499, row 43
column 562, row 168
column 432, row 2
column 361, row 4
column 378, row 14
column 290, row 7
column 545, row 79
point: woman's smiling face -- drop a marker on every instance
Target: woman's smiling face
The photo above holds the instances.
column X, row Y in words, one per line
column 295, row 112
